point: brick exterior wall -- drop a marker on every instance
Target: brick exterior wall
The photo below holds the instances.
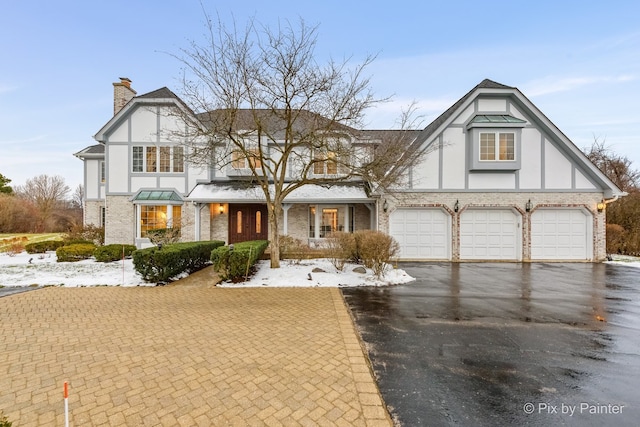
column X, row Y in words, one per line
column 299, row 222
column 92, row 212
column 515, row 201
column 218, row 222
column 120, row 216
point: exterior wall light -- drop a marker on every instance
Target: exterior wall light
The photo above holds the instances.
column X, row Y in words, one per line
column 528, row 206
column 600, row 206
column 221, row 208
column 456, row 206
column 385, row 206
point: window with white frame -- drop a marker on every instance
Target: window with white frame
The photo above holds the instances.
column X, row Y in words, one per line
column 244, row 159
column 325, row 163
column 497, row 146
column 153, row 217
column 103, row 172
column 164, row 159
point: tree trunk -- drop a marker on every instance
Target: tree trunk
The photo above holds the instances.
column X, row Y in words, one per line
column 274, row 233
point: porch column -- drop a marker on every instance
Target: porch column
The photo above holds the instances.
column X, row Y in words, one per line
column 285, row 219
column 373, row 216
column 316, row 224
column 346, row 218
column 196, row 206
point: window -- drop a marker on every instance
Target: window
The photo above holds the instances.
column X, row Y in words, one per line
column 154, row 217
column 325, row 163
column 138, row 160
column 504, row 150
column 258, row 222
column 330, row 219
column 152, row 159
column 242, row 160
column 103, row 174
column 178, row 159
column 239, row 222
column 164, row 159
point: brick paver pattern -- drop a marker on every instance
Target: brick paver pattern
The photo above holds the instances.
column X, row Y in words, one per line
column 184, row 356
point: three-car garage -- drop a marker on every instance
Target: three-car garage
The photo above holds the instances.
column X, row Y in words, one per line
column 493, row 234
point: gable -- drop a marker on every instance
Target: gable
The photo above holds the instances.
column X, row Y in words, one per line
column 494, row 138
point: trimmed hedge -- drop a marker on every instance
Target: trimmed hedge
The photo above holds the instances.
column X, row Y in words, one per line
column 161, row 264
column 44, row 246
column 110, row 253
column 76, row 252
column 234, row 264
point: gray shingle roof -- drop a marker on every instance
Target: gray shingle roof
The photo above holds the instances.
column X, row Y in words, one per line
column 91, row 151
column 428, row 131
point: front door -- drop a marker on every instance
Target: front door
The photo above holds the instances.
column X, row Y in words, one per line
column 247, row 222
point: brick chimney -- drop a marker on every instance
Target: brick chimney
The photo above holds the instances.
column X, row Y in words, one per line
column 122, row 93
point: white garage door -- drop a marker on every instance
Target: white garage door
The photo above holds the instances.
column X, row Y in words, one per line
column 490, row 234
column 560, row 234
column 421, row 233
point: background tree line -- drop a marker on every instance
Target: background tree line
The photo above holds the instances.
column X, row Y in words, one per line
column 623, row 215
column 43, row 204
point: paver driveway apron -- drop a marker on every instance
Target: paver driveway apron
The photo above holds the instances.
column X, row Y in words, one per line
column 184, row 356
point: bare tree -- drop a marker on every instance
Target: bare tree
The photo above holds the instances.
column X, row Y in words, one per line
column 77, row 197
column 47, row 193
column 617, row 168
column 264, row 100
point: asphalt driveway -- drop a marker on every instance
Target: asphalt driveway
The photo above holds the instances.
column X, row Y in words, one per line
column 506, row 344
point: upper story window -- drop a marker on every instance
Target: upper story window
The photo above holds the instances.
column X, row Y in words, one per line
column 243, row 160
column 495, row 142
column 498, row 146
column 163, row 159
column 103, row 172
column 325, row 163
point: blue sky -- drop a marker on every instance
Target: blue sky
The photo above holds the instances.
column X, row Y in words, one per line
column 578, row 61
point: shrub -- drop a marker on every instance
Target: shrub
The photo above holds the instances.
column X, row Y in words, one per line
column 234, row 263
column 87, row 233
column 164, row 236
column 110, row 253
column 293, row 248
column 44, row 246
column 160, row 264
column 376, row 250
column 615, row 239
column 4, row 421
column 341, row 248
column 75, row 252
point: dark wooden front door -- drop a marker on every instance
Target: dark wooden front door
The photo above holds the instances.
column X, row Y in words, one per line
column 247, row 222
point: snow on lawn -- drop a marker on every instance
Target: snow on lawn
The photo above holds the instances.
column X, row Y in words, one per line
column 42, row 269
column 26, row 269
column 300, row 274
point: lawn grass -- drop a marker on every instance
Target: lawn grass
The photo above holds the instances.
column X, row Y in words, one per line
column 8, row 240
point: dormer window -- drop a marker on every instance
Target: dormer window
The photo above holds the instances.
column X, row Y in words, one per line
column 498, row 146
column 494, row 142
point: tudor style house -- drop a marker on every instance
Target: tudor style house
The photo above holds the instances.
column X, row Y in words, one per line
column 498, row 182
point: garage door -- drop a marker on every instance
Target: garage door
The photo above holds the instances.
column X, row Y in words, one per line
column 560, row 234
column 421, row 233
column 490, row 234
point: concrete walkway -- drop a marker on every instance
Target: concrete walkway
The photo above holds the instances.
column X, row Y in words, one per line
column 184, row 356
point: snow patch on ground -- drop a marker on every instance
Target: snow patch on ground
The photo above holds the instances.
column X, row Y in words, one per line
column 300, row 274
column 25, row 269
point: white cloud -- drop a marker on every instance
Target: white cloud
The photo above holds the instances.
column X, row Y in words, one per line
column 554, row 84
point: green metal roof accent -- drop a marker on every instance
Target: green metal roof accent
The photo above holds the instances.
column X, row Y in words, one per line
column 158, row 195
column 496, row 118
